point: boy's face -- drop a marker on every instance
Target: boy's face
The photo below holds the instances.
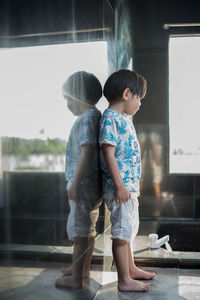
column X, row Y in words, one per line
column 132, row 104
column 74, row 106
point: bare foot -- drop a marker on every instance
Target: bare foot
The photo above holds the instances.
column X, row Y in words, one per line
column 68, row 282
column 137, row 273
column 68, row 272
column 133, row 286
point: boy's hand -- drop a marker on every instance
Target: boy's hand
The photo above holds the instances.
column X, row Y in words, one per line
column 122, row 195
column 73, row 193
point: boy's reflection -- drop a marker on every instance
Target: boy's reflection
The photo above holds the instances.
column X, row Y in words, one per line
column 151, row 153
column 82, row 91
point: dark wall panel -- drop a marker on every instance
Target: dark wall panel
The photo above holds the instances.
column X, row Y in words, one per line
column 169, row 195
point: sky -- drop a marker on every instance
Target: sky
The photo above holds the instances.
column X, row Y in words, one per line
column 31, row 102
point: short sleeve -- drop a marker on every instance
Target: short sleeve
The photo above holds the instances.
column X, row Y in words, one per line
column 89, row 129
column 108, row 132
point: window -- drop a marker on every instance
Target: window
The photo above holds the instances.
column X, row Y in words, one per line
column 34, row 119
column 184, row 104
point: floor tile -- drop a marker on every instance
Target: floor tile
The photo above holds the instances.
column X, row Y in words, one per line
column 36, row 280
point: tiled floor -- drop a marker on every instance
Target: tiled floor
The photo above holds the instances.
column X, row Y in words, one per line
column 35, row 281
column 22, row 279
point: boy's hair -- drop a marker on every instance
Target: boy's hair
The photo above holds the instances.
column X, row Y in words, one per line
column 84, row 87
column 118, row 81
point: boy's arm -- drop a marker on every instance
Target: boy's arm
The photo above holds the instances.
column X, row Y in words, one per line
column 83, row 163
column 122, row 194
column 155, row 153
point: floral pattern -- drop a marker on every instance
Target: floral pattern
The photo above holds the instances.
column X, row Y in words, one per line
column 84, row 131
column 118, row 130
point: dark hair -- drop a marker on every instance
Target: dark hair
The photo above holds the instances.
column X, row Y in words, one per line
column 83, row 86
column 118, row 81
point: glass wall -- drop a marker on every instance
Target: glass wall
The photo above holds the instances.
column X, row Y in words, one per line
column 35, row 119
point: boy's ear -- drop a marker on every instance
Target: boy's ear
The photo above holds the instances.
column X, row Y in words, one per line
column 126, row 94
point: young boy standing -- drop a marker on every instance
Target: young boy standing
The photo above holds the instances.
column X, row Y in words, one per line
column 82, row 90
column 121, row 166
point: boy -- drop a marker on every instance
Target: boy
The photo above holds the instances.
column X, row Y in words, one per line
column 120, row 162
column 82, row 91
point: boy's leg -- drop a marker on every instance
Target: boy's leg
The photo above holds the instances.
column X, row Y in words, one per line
column 136, row 273
column 94, row 214
column 126, row 211
column 79, row 257
column 86, row 268
column 86, row 226
column 121, row 257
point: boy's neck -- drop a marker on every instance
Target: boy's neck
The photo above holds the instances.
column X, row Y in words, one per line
column 87, row 107
column 119, row 107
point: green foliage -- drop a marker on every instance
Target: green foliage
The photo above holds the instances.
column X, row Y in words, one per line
column 24, row 147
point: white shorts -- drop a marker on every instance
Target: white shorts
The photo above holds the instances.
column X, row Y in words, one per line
column 124, row 216
column 81, row 223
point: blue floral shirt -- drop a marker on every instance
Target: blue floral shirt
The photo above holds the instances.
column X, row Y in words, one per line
column 118, row 130
column 84, row 131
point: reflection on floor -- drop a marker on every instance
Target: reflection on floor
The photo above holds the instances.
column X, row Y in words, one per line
column 29, row 272
column 35, row 280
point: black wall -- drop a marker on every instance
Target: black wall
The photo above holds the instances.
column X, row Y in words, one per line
column 20, row 17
